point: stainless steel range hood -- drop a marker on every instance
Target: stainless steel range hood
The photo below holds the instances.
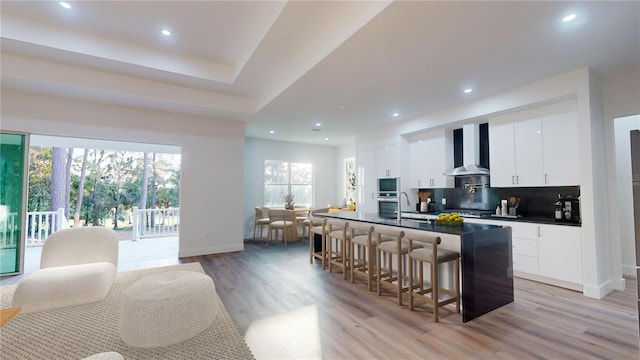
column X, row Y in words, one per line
column 470, row 153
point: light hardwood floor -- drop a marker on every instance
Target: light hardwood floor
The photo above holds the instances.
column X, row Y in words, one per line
column 288, row 308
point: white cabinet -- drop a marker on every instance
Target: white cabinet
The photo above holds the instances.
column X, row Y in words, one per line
column 537, row 147
column 366, row 180
column 560, row 249
column 429, row 155
column 502, row 154
column 388, row 160
column 561, row 154
column 524, row 245
column 515, row 151
column 528, row 144
column 545, row 253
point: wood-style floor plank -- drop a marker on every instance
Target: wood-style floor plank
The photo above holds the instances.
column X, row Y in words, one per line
column 288, row 308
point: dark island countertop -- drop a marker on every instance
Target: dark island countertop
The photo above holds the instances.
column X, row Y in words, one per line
column 548, row 220
column 425, row 225
column 486, row 261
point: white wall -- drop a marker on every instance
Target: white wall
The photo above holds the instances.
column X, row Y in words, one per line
column 256, row 151
column 212, row 155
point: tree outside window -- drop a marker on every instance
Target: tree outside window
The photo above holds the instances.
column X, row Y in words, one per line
column 282, row 177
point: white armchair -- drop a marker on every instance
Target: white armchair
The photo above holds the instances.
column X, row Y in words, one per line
column 77, row 266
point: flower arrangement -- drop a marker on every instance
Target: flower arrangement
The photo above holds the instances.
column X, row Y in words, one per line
column 288, row 199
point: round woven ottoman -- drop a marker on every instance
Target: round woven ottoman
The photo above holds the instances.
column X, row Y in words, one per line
column 167, row 308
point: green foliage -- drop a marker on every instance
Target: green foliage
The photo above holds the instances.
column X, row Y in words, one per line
column 113, row 181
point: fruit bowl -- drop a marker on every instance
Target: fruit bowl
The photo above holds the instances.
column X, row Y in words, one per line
column 451, row 219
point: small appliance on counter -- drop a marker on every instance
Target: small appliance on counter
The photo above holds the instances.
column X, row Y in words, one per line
column 567, row 209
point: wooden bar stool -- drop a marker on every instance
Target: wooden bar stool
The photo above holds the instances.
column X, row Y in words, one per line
column 337, row 255
column 312, row 221
column 428, row 252
column 385, row 268
column 321, row 230
column 361, row 260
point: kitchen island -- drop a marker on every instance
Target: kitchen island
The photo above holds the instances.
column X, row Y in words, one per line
column 486, row 260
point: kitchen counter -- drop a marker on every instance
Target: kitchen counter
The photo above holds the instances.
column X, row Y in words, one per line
column 530, row 219
column 486, row 260
column 372, row 218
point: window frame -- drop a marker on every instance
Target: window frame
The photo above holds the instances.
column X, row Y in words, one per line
column 288, row 185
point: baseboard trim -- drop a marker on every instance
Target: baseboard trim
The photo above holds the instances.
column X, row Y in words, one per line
column 599, row 291
column 629, row 270
column 211, row 250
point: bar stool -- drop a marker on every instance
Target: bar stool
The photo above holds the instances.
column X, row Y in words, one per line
column 361, row 261
column 387, row 249
column 337, row 256
column 321, row 230
column 364, row 260
column 313, row 221
column 428, row 252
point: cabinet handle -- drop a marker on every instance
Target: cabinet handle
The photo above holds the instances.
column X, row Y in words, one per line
column 513, row 179
column 371, row 196
column 418, row 182
column 546, row 181
column 517, row 179
column 538, row 231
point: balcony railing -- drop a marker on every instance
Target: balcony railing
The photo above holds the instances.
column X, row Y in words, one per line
column 155, row 222
column 147, row 223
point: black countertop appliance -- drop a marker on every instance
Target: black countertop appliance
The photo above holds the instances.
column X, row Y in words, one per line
column 567, row 209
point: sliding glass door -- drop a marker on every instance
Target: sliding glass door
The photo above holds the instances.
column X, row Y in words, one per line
column 13, row 188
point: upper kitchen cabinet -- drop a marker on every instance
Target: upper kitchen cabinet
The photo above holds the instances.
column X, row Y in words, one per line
column 429, row 154
column 560, row 144
column 537, row 147
column 388, row 158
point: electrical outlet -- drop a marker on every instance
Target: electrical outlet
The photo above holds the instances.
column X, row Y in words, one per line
column 444, row 201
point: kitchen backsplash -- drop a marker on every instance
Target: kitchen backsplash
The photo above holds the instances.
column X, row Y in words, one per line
column 534, row 201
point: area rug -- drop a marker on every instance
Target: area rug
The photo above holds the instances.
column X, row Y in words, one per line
column 79, row 331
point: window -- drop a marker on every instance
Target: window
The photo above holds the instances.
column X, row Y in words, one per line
column 282, row 177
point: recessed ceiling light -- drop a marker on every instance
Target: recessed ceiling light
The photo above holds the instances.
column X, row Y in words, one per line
column 318, row 124
column 569, row 17
column 326, row 139
column 166, row 32
column 272, row 132
column 395, row 114
column 466, row 91
column 65, row 4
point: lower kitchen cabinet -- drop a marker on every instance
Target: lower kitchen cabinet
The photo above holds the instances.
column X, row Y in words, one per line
column 545, row 253
column 560, row 249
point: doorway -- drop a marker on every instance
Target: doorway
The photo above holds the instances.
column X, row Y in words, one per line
column 623, row 191
column 132, row 188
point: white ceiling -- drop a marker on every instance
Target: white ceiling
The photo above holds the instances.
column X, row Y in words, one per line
column 284, row 66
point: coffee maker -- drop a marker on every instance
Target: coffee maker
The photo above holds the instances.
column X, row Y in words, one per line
column 567, row 209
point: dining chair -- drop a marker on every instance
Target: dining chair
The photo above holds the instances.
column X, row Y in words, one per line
column 284, row 220
column 261, row 219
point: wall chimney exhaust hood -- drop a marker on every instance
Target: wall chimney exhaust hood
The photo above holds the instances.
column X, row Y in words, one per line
column 470, row 153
